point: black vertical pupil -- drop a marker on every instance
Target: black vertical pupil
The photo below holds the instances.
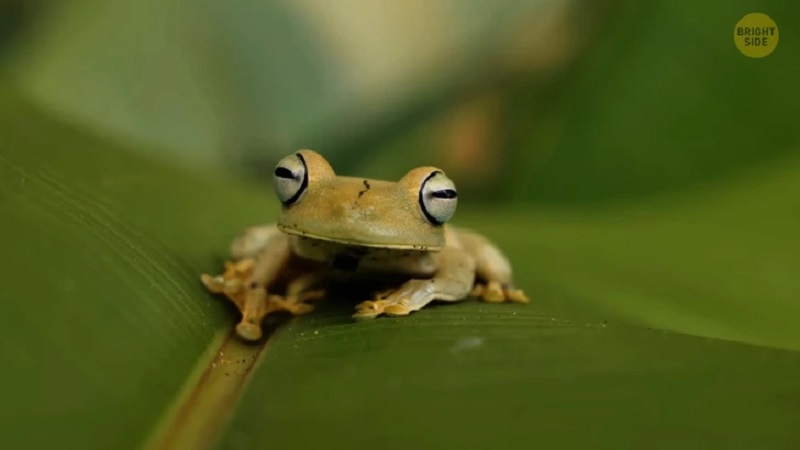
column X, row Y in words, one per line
column 283, row 172
column 444, row 193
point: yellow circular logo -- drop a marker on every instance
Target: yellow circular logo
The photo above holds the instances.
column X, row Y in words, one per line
column 756, row 35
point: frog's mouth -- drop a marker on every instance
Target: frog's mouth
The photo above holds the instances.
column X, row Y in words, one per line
column 358, row 243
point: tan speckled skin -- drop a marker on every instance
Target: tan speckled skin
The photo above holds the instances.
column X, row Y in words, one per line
column 361, row 211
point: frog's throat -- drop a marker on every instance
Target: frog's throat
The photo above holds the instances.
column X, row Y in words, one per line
column 305, row 234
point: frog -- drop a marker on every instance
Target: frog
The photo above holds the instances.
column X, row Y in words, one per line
column 336, row 228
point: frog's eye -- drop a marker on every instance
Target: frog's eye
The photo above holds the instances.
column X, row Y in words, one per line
column 438, row 198
column 290, row 178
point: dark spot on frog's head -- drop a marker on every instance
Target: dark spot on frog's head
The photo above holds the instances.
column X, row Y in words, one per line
column 253, row 285
column 366, row 188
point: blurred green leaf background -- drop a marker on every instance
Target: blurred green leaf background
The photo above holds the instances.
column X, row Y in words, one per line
column 641, row 173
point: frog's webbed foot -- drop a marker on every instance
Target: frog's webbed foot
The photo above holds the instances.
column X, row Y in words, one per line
column 496, row 292
column 232, row 281
column 253, row 300
column 259, row 304
column 411, row 296
column 371, row 309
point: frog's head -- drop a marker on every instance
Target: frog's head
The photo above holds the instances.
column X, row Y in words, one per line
column 318, row 204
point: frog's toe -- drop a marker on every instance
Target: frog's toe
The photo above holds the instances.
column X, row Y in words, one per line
column 232, row 287
column 241, row 268
column 368, row 304
column 254, row 305
column 302, row 308
column 290, row 305
column 397, row 310
column 299, row 309
column 370, row 309
column 248, row 331
column 215, row 284
column 411, row 296
column 365, row 315
column 298, row 304
column 516, row 296
column 495, row 292
column 362, row 315
column 311, row 296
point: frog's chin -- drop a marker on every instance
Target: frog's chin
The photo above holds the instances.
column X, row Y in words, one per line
column 359, row 243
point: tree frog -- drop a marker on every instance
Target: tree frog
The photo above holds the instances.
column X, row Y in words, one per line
column 335, row 228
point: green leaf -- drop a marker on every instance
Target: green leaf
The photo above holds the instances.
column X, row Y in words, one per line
column 103, row 315
column 507, row 377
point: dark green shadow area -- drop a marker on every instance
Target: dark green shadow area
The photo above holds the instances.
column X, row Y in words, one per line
column 103, row 315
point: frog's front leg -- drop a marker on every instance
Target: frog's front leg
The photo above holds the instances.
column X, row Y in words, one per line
column 264, row 257
column 452, row 282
